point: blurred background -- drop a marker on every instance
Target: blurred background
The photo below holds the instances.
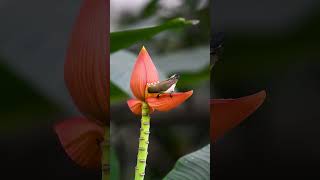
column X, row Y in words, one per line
column 33, row 38
column 184, row 51
column 271, row 45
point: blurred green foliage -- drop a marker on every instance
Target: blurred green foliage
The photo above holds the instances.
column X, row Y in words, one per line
column 123, row 39
column 116, row 94
column 190, row 37
column 190, row 80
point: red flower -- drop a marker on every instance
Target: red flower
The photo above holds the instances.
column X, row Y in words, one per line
column 143, row 74
column 87, row 79
column 227, row 113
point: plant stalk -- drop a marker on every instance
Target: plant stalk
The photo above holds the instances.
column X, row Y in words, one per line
column 143, row 143
column 105, row 168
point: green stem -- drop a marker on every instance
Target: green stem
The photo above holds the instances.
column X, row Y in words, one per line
column 105, row 155
column 143, row 143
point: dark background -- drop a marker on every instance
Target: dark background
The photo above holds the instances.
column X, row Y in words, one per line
column 271, row 45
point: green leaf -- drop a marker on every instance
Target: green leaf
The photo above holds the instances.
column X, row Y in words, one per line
column 116, row 94
column 123, row 39
column 192, row 79
column 194, row 166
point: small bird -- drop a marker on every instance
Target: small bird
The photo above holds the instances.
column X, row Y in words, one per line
column 164, row 87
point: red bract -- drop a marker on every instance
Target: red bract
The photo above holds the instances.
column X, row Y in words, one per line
column 87, row 61
column 145, row 72
column 81, row 140
column 227, row 113
column 87, row 79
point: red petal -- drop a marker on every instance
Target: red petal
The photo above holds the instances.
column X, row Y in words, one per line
column 165, row 102
column 135, row 106
column 227, row 113
column 80, row 139
column 143, row 72
column 87, row 61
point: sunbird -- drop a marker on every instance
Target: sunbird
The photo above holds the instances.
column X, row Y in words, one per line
column 164, row 87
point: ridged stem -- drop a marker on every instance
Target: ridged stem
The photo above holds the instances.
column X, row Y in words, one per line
column 143, row 143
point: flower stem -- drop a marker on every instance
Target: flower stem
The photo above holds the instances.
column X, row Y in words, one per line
column 143, row 143
column 105, row 170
